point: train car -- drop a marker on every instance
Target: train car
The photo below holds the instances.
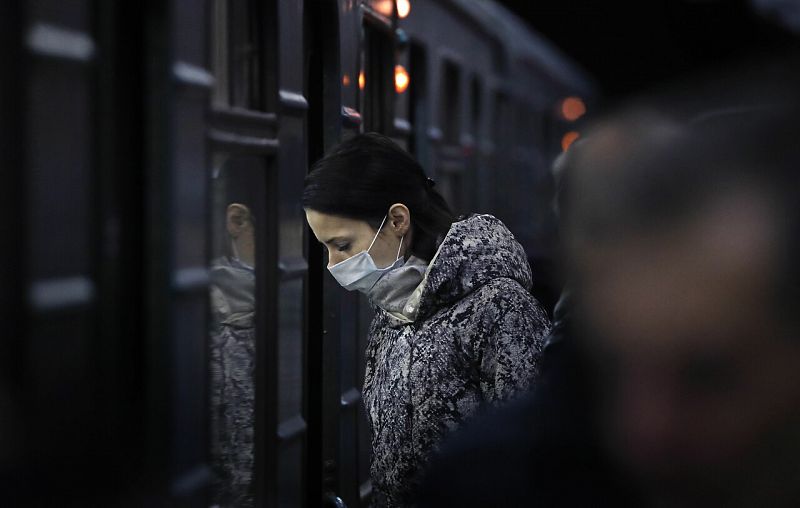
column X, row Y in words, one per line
column 158, row 278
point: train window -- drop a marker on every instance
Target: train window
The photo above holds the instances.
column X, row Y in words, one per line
column 449, row 113
column 501, row 122
column 450, row 160
column 471, row 151
column 402, row 99
column 240, row 56
column 236, row 214
column 501, row 142
column 420, row 105
column 378, row 85
column 475, row 107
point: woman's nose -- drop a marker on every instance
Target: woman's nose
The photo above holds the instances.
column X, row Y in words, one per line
column 334, row 258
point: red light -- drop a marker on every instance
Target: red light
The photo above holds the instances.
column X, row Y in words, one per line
column 385, row 7
column 346, row 80
column 401, row 79
column 568, row 139
column 572, row 108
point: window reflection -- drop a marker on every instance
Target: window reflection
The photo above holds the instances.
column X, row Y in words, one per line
column 239, row 59
column 232, row 333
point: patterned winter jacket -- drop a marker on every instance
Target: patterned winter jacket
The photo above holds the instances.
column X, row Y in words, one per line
column 476, row 338
column 232, row 382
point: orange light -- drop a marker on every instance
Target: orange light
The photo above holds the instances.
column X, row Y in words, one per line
column 385, row 7
column 362, row 81
column 403, row 8
column 401, row 79
column 346, row 80
column 568, row 139
column 572, row 108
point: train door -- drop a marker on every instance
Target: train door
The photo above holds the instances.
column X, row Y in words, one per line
column 242, row 338
column 106, row 397
column 55, row 353
column 176, row 238
column 259, row 373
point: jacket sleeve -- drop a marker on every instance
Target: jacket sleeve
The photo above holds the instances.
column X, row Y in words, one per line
column 511, row 350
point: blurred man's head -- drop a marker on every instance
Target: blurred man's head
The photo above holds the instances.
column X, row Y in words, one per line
column 682, row 242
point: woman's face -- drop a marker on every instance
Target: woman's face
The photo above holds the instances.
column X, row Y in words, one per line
column 343, row 238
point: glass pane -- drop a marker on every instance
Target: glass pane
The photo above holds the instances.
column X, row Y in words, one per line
column 239, row 54
column 476, row 108
column 290, row 342
column 290, row 479
column 219, row 55
column 236, row 198
column 245, row 48
column 378, row 80
column 449, row 113
column 417, row 92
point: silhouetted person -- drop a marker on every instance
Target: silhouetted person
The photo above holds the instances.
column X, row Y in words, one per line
column 682, row 241
column 232, row 335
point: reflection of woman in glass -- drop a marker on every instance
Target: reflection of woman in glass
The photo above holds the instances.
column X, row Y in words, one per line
column 455, row 325
column 232, row 337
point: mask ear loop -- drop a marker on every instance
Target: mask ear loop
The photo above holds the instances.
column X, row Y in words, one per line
column 234, row 250
column 399, row 247
column 376, row 234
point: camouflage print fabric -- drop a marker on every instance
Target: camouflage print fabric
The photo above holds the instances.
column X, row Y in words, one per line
column 476, row 338
column 232, row 383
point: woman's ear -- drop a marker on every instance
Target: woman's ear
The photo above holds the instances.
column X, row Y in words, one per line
column 399, row 219
column 236, row 219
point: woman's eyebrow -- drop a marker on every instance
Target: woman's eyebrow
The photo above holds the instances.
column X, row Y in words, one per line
column 334, row 238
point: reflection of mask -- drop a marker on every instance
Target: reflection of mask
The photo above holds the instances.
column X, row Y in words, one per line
column 360, row 272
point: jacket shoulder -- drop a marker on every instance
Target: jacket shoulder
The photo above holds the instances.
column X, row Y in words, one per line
column 508, row 294
column 502, row 303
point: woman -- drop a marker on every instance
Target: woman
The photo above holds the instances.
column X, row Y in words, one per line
column 455, row 325
column 232, row 344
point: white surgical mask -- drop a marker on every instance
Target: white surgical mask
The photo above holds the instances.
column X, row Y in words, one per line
column 359, row 273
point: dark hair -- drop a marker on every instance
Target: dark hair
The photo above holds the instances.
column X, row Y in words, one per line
column 665, row 181
column 363, row 176
column 669, row 172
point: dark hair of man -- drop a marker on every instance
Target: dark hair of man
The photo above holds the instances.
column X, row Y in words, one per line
column 365, row 175
column 666, row 182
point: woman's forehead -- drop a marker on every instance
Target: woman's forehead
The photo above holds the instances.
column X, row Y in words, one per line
column 327, row 226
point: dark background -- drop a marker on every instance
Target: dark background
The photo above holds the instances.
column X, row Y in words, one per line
column 631, row 47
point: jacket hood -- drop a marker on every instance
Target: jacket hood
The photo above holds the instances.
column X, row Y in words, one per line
column 475, row 251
